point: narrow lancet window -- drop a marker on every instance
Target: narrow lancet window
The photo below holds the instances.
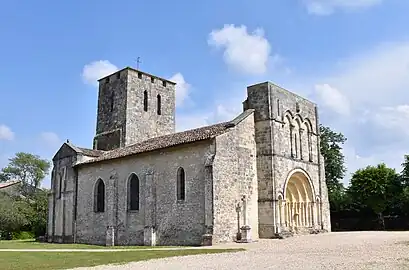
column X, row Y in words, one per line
column 159, row 105
column 133, row 193
column 295, row 146
column 145, row 101
column 181, row 182
column 99, row 202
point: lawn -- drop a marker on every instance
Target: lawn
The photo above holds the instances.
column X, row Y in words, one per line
column 32, row 244
column 66, row 260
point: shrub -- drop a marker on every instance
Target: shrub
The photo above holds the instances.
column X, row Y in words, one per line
column 22, row 235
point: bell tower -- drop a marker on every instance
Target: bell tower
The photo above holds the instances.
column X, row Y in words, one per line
column 133, row 106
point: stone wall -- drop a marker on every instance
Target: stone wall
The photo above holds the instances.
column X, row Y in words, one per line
column 111, row 114
column 141, row 125
column 61, row 200
column 122, row 119
column 287, row 138
column 175, row 222
column 235, row 176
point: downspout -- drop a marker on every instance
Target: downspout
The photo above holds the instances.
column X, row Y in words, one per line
column 319, row 161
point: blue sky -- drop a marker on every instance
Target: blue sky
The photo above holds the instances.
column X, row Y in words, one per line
column 351, row 57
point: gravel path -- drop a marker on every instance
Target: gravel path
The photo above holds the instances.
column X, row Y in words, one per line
column 100, row 250
column 350, row 250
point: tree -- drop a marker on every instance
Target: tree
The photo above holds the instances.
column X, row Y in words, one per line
column 334, row 163
column 402, row 202
column 375, row 187
column 14, row 214
column 40, row 206
column 405, row 170
column 28, row 168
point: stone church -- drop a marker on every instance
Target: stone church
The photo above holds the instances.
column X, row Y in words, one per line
column 259, row 175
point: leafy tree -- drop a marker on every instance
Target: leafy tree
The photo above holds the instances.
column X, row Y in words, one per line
column 334, row 164
column 28, row 168
column 375, row 187
column 14, row 214
column 402, row 202
column 405, row 170
column 40, row 207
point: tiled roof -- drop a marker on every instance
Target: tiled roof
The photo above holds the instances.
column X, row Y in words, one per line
column 91, row 152
column 165, row 141
column 8, row 184
column 174, row 139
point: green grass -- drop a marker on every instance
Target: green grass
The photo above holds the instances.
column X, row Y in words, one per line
column 66, row 260
column 32, row 244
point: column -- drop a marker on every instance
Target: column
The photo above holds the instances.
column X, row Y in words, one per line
column 278, row 215
column 306, row 214
column 300, row 214
column 282, row 212
column 314, row 214
column 292, row 215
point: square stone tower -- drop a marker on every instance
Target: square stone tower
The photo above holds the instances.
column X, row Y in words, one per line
column 292, row 191
column 133, row 106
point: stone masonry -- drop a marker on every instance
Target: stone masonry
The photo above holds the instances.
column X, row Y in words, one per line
column 259, row 175
column 122, row 119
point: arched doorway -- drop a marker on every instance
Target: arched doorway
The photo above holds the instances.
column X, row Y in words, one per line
column 298, row 208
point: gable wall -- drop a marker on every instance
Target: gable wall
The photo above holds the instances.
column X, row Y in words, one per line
column 234, row 176
column 60, row 227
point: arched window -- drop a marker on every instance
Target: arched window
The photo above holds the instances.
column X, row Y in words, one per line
column 111, row 101
column 295, row 146
column 133, row 193
column 99, row 201
column 159, row 105
column 278, row 107
column 181, row 181
column 145, row 101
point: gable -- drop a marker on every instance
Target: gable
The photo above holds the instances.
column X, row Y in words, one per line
column 65, row 151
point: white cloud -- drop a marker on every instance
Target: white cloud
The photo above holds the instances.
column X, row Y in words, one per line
column 50, row 140
column 393, row 118
column 182, row 89
column 332, row 98
column 392, row 158
column 375, row 83
column 377, row 77
column 191, row 121
column 327, row 7
column 245, row 52
column 6, row 133
column 96, row 70
column 220, row 113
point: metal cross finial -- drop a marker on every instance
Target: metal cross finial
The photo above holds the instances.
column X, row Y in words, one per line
column 138, row 62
